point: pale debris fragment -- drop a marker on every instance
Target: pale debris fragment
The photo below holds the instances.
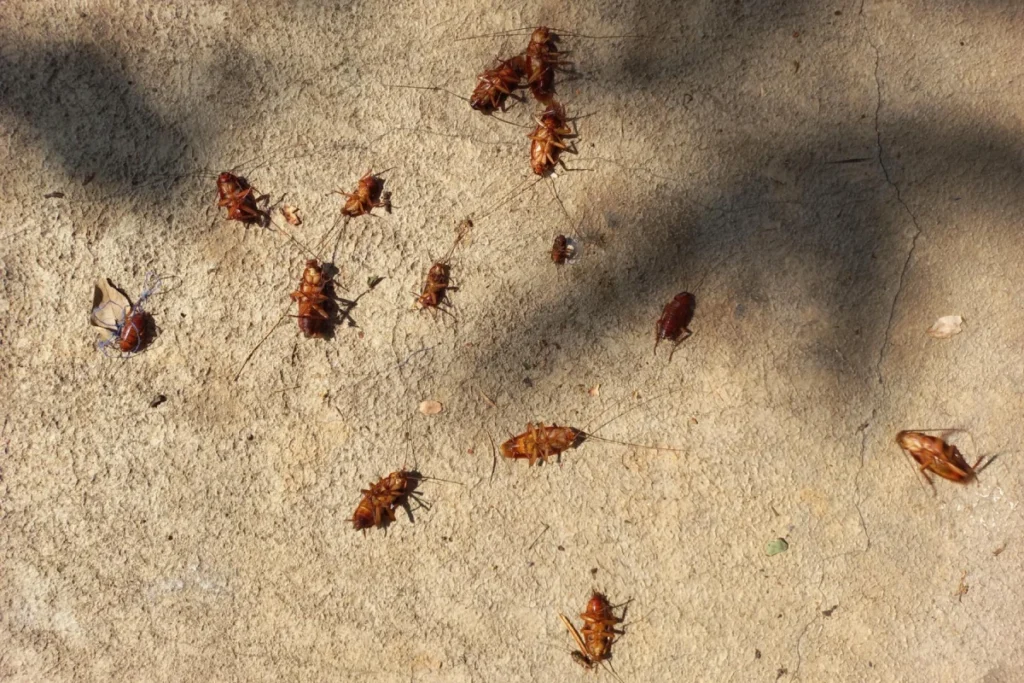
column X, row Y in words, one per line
column 291, row 214
column 109, row 305
column 946, row 326
column 430, row 407
column 779, row 545
column 594, row 390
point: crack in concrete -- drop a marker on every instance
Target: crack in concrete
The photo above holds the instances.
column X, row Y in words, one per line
column 906, row 208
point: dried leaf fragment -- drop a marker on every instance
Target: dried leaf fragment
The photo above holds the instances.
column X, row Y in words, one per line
column 946, row 326
column 431, row 407
column 291, row 214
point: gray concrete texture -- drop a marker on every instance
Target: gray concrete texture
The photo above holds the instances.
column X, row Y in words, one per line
column 827, row 178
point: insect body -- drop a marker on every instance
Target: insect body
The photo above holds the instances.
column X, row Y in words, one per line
column 542, row 58
column 495, row 85
column 378, row 504
column 128, row 327
column 675, row 320
column 314, row 296
column 434, row 293
column 548, row 139
column 234, row 193
column 564, row 250
column 540, row 442
column 599, row 627
column 595, row 639
column 369, row 195
column 937, row 456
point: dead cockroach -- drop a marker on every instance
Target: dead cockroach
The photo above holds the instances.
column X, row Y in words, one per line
column 495, row 85
column 548, row 139
column 935, row 455
column 378, row 504
column 565, row 250
column 235, row 193
column 434, row 294
column 598, row 630
column 675, row 320
column 369, row 195
column 315, row 296
column 594, row 640
column 128, row 327
column 542, row 59
column 540, row 442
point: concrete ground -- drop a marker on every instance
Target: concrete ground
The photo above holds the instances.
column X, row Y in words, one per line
column 827, row 178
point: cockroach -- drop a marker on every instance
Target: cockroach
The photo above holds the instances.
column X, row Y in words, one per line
column 548, row 139
column 495, row 85
column 594, row 640
column 131, row 329
column 378, row 504
column 540, row 442
column 675, row 320
column 434, row 293
column 935, row 455
column 369, row 195
column 564, row 251
column 315, row 296
column 235, row 193
column 598, row 630
column 542, row 58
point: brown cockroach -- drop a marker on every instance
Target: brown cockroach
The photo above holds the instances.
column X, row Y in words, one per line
column 495, row 85
column 675, row 320
column 235, row 193
column 434, row 294
column 540, row 442
column 542, row 58
column 378, row 504
column 598, row 630
column 131, row 329
column 565, row 250
column 548, row 139
column 937, row 456
column 315, row 296
column 594, row 640
column 369, row 195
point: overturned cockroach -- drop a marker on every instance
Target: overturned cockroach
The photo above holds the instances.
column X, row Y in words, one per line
column 540, row 442
column 235, row 193
column 594, row 640
column 127, row 326
column 542, row 59
column 565, row 250
column 548, row 139
column 369, row 195
column 315, row 297
column 599, row 627
column 378, row 504
column 675, row 321
column 434, row 294
column 937, row 456
column 495, row 85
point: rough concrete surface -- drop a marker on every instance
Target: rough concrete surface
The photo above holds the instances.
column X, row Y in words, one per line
column 827, row 178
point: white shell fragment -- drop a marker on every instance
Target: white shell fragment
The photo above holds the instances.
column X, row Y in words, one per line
column 108, row 307
column 946, row 326
column 431, row 407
